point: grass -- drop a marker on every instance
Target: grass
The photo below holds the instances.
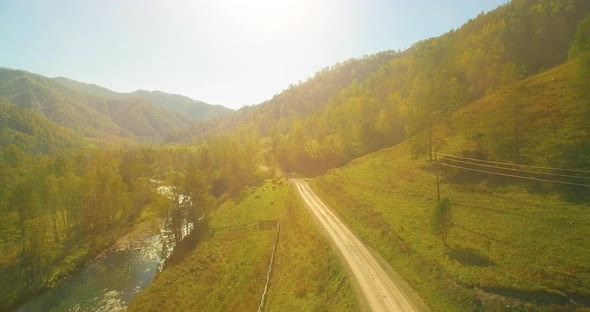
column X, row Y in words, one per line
column 508, row 247
column 227, row 272
column 545, row 107
column 307, row 274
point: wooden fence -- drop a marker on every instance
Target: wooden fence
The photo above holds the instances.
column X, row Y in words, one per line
column 270, row 265
column 259, row 225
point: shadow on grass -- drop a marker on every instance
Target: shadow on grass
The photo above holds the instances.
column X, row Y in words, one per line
column 469, row 257
column 538, row 296
column 185, row 247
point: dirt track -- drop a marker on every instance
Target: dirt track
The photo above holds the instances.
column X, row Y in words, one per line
column 381, row 292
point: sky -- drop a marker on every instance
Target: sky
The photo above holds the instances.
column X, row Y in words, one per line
column 228, row 52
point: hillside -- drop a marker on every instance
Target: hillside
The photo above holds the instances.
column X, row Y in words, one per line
column 512, row 241
column 398, row 95
column 32, row 133
column 298, row 100
column 531, row 122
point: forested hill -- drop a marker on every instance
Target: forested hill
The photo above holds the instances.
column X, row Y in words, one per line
column 400, row 95
column 196, row 110
column 31, row 132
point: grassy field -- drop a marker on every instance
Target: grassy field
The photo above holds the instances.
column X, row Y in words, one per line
column 508, row 248
column 227, row 272
column 307, row 274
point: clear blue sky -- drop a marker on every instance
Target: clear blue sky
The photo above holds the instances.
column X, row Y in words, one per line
column 229, row 52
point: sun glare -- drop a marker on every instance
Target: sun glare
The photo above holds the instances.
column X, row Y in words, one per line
column 264, row 17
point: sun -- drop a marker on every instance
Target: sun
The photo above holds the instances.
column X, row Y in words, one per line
column 266, row 17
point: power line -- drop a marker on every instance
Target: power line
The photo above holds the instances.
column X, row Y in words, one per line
column 516, row 165
column 404, row 161
column 514, row 176
column 508, row 209
column 519, row 170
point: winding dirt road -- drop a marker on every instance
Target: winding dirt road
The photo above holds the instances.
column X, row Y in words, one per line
column 379, row 289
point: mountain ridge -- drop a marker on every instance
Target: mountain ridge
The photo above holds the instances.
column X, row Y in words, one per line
column 97, row 112
column 197, row 110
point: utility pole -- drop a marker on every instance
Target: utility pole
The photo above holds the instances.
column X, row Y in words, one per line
column 430, row 137
column 437, row 177
column 516, row 132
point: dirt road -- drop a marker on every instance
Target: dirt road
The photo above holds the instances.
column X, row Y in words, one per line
column 381, row 292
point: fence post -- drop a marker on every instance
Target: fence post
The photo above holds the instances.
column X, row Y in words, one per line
column 272, row 256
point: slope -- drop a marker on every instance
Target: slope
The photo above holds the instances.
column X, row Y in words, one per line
column 298, row 100
column 32, row 133
column 511, row 242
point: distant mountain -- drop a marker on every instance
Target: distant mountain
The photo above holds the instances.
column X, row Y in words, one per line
column 179, row 103
column 90, row 110
column 87, row 88
column 57, row 103
column 138, row 116
column 196, row 110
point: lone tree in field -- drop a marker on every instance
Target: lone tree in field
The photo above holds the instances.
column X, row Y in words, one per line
column 442, row 219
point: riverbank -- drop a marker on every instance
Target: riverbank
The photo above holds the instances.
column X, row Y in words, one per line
column 110, row 282
column 137, row 232
column 81, row 257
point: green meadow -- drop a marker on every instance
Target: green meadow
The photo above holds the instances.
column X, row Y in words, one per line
column 508, row 246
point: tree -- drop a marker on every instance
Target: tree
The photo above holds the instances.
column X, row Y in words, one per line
column 198, row 208
column 442, row 219
column 581, row 42
column 175, row 215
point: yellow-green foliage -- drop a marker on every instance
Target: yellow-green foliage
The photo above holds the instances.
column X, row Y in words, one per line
column 541, row 107
column 503, row 239
column 227, row 272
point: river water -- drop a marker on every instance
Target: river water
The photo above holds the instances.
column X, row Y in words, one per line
column 110, row 283
column 106, row 284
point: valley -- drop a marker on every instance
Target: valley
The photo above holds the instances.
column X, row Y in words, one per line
column 452, row 175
